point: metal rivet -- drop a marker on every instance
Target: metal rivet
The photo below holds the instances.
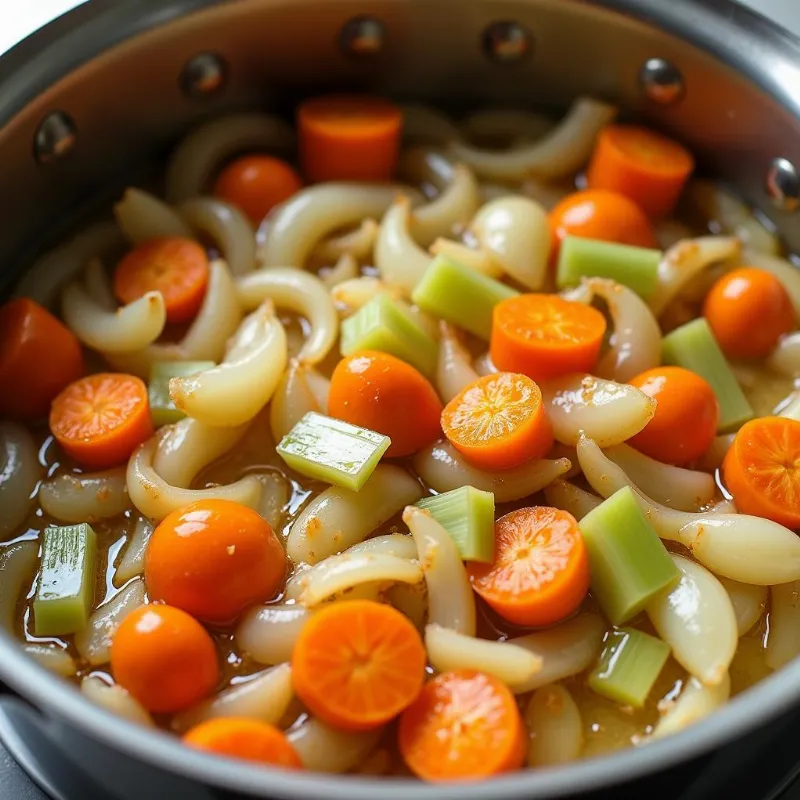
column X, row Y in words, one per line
column 783, row 185
column 204, row 75
column 362, row 36
column 507, row 42
column 54, row 138
column 661, row 81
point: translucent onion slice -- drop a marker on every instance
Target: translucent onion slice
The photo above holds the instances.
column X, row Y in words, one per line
column 354, row 245
column 479, row 260
column 400, row 260
column 749, row 603
column 605, row 411
column 324, row 749
column 116, row 700
column 410, row 599
column 17, row 563
column 85, row 497
column 448, row 650
column 19, row 473
column 696, row 619
column 505, row 124
column 783, row 644
column 351, row 295
column 426, row 125
column 454, row 368
column 264, row 696
column 786, row 272
column 696, row 701
column 554, row 726
column 715, row 454
column 52, row 657
column 571, row 498
column 785, row 358
column 338, row 518
column 345, row 269
column 268, row 633
column 451, row 603
column 141, row 216
column 132, row 562
column 293, row 399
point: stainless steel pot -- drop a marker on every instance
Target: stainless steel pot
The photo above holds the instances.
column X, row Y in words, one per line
column 106, row 89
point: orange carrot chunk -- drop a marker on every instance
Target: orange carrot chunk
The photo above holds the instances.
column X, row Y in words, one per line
column 463, row 726
column 748, row 311
column 686, row 417
column 642, row 164
column 213, row 559
column 384, row 394
column 241, row 737
column 762, row 470
column 540, row 573
column 357, row 664
column 176, row 267
column 544, row 336
column 499, row 421
column 39, row 356
column 164, row 658
column 101, row 419
column 255, row 184
column 349, row 138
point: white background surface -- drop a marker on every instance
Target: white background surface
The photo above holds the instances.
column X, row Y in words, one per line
column 20, row 17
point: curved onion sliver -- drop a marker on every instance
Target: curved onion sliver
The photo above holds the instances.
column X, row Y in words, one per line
column 17, row 562
column 505, row 124
column 229, row 229
column 449, row 650
column 783, row 644
column 52, row 657
column 454, row 369
column 264, row 696
column 325, row 749
column 268, row 633
column 141, row 216
column 571, row 498
column 696, row 701
column 155, row 498
column 235, row 391
column 97, row 285
column 561, row 152
column 94, row 641
column 19, row 473
column 442, row 468
column 301, row 292
column 132, row 562
column 451, row 603
column 400, row 260
column 200, row 154
column 410, row 599
column 713, row 457
column 426, row 125
column 786, row 272
column 546, row 193
column 696, row 619
column 605, row 411
column 514, row 232
column 686, row 259
column 555, row 727
column 338, row 518
column 356, row 244
column 85, row 497
column 785, row 357
column 479, row 260
column 116, row 700
column 275, row 495
column 351, row 295
column 345, row 269
column 749, row 602
column 292, row 400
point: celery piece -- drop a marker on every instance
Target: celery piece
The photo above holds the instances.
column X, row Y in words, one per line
column 333, row 451
column 629, row 564
column 693, row 347
column 628, row 666
column 382, row 324
column 460, row 295
column 162, row 409
column 65, row 589
column 467, row 514
column 635, row 267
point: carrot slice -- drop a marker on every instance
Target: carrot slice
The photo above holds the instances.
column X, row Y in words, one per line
column 39, row 356
column 241, row 737
column 349, row 138
column 642, row 164
column 762, row 470
column 101, row 419
column 256, row 184
column 463, row 726
column 540, row 573
column 176, row 267
column 357, row 664
column 544, row 336
column 499, row 421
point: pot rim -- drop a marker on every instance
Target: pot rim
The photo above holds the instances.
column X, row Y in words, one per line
column 758, row 49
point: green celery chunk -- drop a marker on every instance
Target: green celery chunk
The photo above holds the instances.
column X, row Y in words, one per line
column 162, row 409
column 382, row 324
column 635, row 267
column 693, row 347
column 629, row 666
column 629, row 564
column 65, row 589
column 460, row 295
column 333, row 451
column 467, row 514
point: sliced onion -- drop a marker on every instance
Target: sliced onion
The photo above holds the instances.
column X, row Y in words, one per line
column 786, row 272
column 17, row 562
column 785, row 358
column 479, row 260
column 696, row 701
column 554, row 726
column 454, row 369
column 86, row 497
column 505, row 124
column 410, row 599
column 19, row 473
column 571, row 498
column 116, row 700
column 293, row 399
column 426, row 125
column 354, row 246
column 52, row 657
column 132, row 562
column 325, row 749
column 268, row 633
column 400, row 260
column 749, row 603
column 142, row 216
column 783, row 644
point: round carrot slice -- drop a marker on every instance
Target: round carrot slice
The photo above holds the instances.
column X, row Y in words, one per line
column 176, row 267
column 544, row 336
column 540, row 573
column 499, row 421
column 241, row 737
column 463, row 726
column 101, row 419
column 357, row 664
column 762, row 470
